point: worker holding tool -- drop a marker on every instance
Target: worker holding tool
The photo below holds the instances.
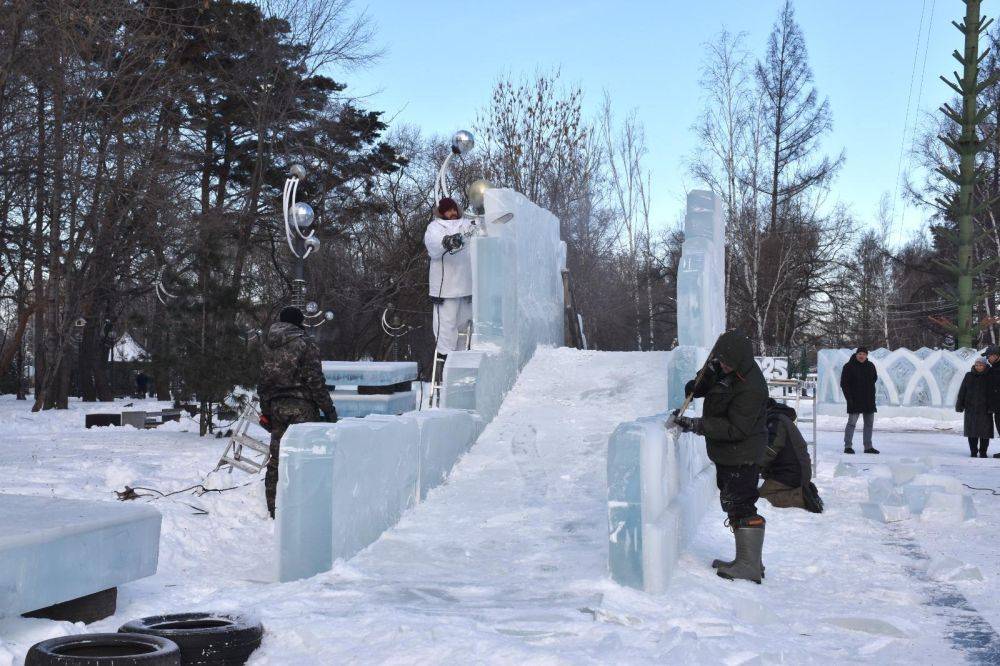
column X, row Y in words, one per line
column 733, row 423
column 450, row 278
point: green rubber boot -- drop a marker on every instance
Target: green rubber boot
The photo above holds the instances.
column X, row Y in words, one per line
column 749, row 533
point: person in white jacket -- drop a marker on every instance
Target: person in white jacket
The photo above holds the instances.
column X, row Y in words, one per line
column 450, row 274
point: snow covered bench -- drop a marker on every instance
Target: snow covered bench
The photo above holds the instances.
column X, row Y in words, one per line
column 381, row 387
column 342, row 485
column 56, row 550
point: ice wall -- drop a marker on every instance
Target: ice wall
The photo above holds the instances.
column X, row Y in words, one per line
column 342, row 485
column 923, row 383
column 701, row 306
column 660, row 484
column 517, row 302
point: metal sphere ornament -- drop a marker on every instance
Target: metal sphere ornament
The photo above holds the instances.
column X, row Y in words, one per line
column 462, row 142
column 475, row 192
column 328, row 315
column 312, row 308
column 302, row 215
column 312, row 243
column 297, row 171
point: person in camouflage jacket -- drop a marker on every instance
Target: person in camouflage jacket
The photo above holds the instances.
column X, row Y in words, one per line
column 292, row 388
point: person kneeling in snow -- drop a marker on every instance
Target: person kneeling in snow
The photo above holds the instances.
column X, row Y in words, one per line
column 734, row 426
column 785, row 466
column 450, row 277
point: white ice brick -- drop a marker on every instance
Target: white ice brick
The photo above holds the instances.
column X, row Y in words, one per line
column 885, row 513
column 882, row 490
column 949, row 483
column 905, row 472
column 368, row 373
column 947, row 508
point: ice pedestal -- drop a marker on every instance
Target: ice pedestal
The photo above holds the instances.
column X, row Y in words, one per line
column 517, row 302
column 54, row 550
column 660, row 483
column 368, row 373
column 355, row 405
column 343, row 484
column 922, row 383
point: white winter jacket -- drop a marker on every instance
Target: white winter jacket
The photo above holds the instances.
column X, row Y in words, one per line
column 450, row 273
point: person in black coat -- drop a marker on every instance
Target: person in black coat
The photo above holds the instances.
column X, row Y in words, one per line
column 975, row 400
column 857, row 380
column 993, row 356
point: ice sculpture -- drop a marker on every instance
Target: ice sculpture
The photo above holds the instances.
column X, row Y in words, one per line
column 517, row 302
column 54, row 550
column 341, row 486
column 701, row 307
column 660, row 484
column 923, row 383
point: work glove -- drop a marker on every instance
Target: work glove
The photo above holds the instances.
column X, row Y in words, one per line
column 690, row 424
column 453, row 242
column 264, row 422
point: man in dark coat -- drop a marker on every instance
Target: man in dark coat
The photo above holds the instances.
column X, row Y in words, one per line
column 785, row 465
column 975, row 400
column 993, row 356
column 733, row 424
column 857, row 380
column 292, row 388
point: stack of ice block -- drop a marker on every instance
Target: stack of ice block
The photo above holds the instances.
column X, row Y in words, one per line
column 55, row 550
column 517, row 302
column 911, row 489
column 701, row 293
column 342, row 485
column 922, row 383
column 352, row 403
column 660, row 484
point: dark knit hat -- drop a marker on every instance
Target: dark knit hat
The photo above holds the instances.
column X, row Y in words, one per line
column 861, row 349
column 292, row 315
column 447, row 204
column 992, row 350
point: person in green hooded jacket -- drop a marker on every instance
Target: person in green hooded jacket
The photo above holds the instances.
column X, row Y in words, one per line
column 734, row 424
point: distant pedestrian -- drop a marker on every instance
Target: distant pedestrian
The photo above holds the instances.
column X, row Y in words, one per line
column 857, row 380
column 975, row 401
column 993, row 356
column 141, row 384
column 292, row 388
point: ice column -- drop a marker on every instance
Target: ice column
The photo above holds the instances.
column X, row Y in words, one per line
column 701, row 304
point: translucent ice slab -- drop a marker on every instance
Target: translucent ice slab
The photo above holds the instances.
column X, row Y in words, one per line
column 660, row 484
column 368, row 373
column 701, row 305
column 342, row 485
column 923, row 383
column 517, row 302
column 356, row 405
column 54, row 550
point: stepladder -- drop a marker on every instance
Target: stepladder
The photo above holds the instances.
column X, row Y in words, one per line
column 243, row 451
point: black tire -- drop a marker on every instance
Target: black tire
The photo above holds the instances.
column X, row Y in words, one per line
column 105, row 650
column 205, row 639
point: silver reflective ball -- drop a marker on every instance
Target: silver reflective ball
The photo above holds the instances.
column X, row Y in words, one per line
column 302, row 214
column 312, row 243
column 475, row 192
column 297, row 171
column 312, row 308
column 463, row 142
column 328, row 315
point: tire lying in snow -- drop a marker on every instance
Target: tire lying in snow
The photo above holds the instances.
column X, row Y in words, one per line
column 104, row 650
column 205, row 639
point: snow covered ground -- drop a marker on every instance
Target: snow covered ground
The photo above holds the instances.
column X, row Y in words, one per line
column 506, row 563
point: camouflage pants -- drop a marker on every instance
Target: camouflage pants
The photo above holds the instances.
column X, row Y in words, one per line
column 782, row 496
column 283, row 414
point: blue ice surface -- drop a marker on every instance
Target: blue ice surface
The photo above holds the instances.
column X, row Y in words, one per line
column 355, row 405
column 368, row 373
column 54, row 550
column 342, row 485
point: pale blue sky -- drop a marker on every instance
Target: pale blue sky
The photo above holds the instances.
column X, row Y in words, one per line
column 443, row 56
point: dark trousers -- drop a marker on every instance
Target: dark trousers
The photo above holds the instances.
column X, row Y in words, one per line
column 979, row 445
column 284, row 413
column 738, row 489
column 852, row 421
